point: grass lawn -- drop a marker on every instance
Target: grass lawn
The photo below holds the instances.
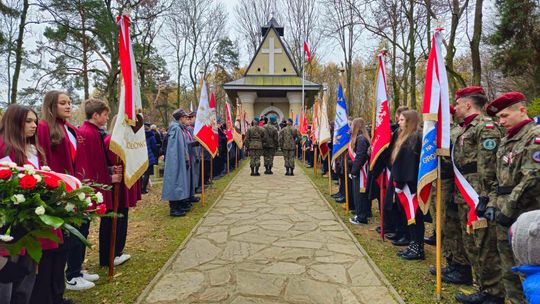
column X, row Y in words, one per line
column 153, row 236
column 411, row 279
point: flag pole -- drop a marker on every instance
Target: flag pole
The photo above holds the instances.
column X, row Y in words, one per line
column 203, row 196
column 315, row 160
column 345, row 165
column 438, row 233
column 329, row 174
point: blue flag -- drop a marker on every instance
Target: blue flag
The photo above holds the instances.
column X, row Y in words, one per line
column 296, row 121
column 342, row 131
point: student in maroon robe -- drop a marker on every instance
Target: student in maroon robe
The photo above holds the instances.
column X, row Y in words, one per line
column 128, row 198
column 97, row 169
column 59, row 140
column 18, row 144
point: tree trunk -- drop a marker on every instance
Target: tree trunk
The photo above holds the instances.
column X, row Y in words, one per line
column 475, row 44
column 19, row 52
column 86, row 85
column 412, row 58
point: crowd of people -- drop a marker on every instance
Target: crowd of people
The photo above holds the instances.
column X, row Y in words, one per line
column 491, row 178
column 489, row 183
column 84, row 153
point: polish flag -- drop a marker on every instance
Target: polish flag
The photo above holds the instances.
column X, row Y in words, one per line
column 205, row 129
column 306, row 50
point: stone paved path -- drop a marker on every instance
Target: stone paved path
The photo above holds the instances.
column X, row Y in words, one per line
column 270, row 239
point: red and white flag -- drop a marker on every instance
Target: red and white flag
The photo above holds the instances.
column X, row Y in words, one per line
column 205, row 129
column 237, row 134
column 324, row 129
column 306, row 50
column 128, row 140
column 229, row 125
column 382, row 134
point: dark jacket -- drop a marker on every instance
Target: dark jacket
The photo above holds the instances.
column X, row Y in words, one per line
column 151, row 147
column 361, row 148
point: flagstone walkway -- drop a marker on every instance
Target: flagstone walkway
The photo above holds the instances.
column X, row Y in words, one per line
column 270, row 239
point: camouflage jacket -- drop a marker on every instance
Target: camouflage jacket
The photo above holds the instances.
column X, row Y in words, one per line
column 271, row 141
column 288, row 137
column 254, row 138
column 518, row 172
column 475, row 153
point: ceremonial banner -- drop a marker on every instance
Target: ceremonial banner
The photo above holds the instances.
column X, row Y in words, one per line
column 291, row 115
column 382, row 134
column 315, row 122
column 229, row 126
column 324, row 128
column 128, row 140
column 296, row 122
column 237, row 136
column 205, row 129
column 304, row 124
column 342, row 130
column 436, row 114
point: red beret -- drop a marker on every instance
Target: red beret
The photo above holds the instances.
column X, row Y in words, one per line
column 452, row 110
column 469, row 91
column 504, row 101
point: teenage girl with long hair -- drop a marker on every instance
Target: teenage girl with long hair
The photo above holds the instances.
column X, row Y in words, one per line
column 404, row 160
column 360, row 147
column 18, row 144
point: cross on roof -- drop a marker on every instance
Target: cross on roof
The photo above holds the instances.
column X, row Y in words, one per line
column 271, row 51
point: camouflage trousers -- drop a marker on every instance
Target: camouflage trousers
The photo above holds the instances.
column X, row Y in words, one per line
column 288, row 156
column 511, row 280
column 452, row 243
column 481, row 249
column 255, row 158
column 268, row 155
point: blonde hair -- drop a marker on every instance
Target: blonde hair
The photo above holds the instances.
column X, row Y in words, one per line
column 411, row 126
column 358, row 126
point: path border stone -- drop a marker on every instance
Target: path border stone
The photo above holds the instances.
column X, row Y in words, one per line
column 371, row 263
column 173, row 256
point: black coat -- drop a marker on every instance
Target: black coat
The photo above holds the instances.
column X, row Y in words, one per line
column 404, row 170
column 361, row 148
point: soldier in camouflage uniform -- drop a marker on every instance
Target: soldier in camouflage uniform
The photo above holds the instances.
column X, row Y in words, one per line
column 474, row 153
column 270, row 145
column 518, row 176
column 288, row 137
column 458, row 268
column 254, row 144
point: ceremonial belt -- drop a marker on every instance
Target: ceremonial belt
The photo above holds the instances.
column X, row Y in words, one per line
column 502, row 190
column 469, row 168
column 467, row 191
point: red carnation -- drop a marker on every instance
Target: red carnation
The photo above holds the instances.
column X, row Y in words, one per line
column 51, row 183
column 101, row 209
column 5, row 173
column 27, row 182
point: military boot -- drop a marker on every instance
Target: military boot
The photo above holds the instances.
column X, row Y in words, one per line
column 257, row 171
column 287, row 173
column 475, row 298
column 450, row 266
column 461, row 274
column 252, row 171
column 292, row 173
column 270, row 170
column 267, row 170
column 175, row 209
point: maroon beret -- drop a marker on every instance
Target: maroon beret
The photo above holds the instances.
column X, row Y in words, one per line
column 469, row 91
column 504, row 101
column 452, row 110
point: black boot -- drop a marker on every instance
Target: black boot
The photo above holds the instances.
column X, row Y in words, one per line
column 415, row 251
column 252, row 171
column 270, row 170
column 257, row 171
column 174, row 209
column 287, row 173
column 184, row 206
column 266, row 171
column 450, row 266
column 480, row 297
column 460, row 274
column 292, row 173
column 403, row 241
column 431, row 240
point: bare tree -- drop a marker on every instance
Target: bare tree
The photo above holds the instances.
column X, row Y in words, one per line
column 340, row 25
column 251, row 16
column 475, row 43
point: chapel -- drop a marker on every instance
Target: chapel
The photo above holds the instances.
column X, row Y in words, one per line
column 272, row 84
